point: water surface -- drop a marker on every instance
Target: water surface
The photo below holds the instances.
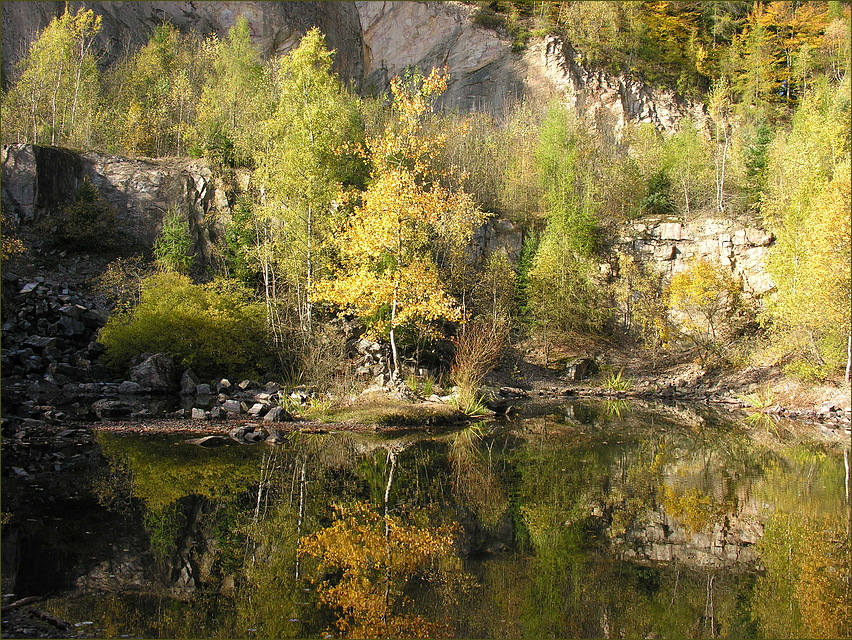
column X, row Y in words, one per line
column 577, row 520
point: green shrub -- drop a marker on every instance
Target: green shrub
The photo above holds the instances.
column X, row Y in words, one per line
column 421, row 385
column 213, row 328
column 658, row 201
column 487, row 18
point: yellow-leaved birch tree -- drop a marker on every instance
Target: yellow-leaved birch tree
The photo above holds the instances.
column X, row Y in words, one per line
column 388, row 272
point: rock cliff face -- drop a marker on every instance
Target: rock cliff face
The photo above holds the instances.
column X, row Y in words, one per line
column 38, row 181
column 376, row 41
column 276, row 26
column 673, row 246
column 486, row 75
column 607, row 100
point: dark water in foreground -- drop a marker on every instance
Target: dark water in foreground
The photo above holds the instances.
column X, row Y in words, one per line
column 582, row 521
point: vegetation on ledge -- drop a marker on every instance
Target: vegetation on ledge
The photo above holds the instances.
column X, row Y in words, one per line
column 364, row 208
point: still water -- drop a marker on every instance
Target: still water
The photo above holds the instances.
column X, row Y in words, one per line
column 582, row 520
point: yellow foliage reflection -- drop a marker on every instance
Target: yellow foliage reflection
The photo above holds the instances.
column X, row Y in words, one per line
column 365, row 561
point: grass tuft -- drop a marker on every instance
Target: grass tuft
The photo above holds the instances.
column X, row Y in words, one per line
column 618, row 381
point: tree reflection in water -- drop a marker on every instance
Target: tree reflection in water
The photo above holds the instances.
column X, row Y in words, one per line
column 587, row 521
column 365, row 564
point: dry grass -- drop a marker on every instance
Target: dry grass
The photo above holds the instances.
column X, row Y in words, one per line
column 478, row 350
column 381, row 410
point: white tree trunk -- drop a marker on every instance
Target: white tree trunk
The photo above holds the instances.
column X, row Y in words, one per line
column 393, row 336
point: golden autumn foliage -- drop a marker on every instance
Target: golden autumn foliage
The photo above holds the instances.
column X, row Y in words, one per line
column 808, row 212
column 10, row 245
column 376, row 556
column 704, row 296
column 388, row 270
column 807, row 572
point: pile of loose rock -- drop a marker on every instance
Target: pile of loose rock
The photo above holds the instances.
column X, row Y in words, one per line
column 49, row 350
column 152, row 392
column 50, row 331
column 372, row 360
column 246, row 399
column 51, row 372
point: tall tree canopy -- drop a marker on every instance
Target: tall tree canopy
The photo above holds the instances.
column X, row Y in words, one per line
column 808, row 211
column 56, row 98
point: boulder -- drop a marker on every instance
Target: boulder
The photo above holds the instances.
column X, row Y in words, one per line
column 189, row 382
column 93, row 319
column 277, row 414
column 232, row 406
column 579, row 369
column 257, row 410
column 671, row 231
column 274, row 437
column 72, row 327
column 44, row 391
column 109, row 409
column 157, row 373
column 129, row 387
column 826, row 408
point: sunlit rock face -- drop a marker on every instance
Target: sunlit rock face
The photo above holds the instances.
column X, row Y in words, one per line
column 484, row 73
column 609, row 101
column 675, row 246
column 276, row 27
column 374, row 41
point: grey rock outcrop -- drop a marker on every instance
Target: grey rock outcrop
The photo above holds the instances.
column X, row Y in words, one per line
column 484, row 73
column 189, row 383
column 497, row 235
column 276, row 27
column 38, row 181
column 609, row 101
column 673, row 246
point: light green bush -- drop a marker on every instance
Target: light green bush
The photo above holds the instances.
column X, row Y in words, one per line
column 214, row 328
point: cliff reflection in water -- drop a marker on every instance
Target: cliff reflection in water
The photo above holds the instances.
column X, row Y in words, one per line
column 588, row 520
